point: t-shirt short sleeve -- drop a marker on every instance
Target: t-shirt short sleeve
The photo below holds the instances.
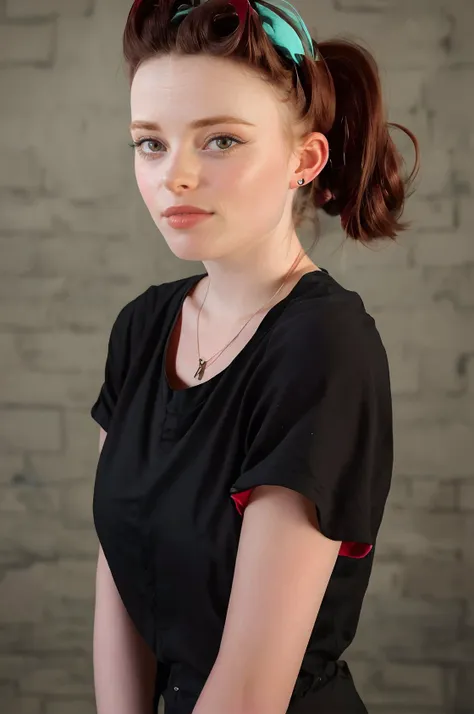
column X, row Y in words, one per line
column 322, row 421
column 122, row 340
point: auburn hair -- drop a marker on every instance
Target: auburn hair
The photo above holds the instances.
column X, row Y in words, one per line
column 338, row 94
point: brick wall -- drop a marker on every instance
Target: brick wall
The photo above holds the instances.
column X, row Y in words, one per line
column 76, row 243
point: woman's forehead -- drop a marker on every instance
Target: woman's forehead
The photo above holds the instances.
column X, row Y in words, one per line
column 195, row 87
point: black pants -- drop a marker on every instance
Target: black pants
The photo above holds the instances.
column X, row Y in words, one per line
column 333, row 693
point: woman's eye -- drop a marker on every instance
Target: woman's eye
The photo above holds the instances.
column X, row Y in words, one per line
column 147, row 143
column 224, row 139
column 145, row 146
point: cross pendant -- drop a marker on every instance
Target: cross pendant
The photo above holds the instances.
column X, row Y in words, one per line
column 201, row 369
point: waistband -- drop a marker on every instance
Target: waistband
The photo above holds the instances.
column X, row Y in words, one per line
column 313, row 681
column 180, row 684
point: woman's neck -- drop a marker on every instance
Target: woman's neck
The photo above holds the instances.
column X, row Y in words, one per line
column 236, row 294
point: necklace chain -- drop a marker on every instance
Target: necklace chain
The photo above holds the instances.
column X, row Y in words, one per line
column 205, row 363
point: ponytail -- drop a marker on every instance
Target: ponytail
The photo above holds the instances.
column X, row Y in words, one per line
column 362, row 178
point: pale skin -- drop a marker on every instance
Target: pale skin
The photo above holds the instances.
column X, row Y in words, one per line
column 284, row 563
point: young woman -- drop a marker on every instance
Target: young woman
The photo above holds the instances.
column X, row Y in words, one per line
column 247, row 409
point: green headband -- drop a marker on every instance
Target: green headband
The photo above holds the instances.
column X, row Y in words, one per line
column 281, row 33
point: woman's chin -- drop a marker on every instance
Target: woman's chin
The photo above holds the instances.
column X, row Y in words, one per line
column 188, row 248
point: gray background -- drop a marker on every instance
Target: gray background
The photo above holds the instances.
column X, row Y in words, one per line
column 77, row 243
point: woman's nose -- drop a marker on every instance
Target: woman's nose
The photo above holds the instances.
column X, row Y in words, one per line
column 182, row 174
column 179, row 184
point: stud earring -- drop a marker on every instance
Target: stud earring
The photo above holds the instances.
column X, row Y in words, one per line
column 301, row 182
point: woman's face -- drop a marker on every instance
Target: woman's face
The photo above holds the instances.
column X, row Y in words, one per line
column 240, row 170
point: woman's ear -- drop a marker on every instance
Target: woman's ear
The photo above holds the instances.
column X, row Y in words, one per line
column 313, row 157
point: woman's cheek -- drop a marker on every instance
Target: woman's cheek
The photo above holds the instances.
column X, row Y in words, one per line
column 145, row 186
column 236, row 180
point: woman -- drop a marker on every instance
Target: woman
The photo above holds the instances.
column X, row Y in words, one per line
column 247, row 409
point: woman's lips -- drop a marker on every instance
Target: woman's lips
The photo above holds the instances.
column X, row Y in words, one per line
column 187, row 220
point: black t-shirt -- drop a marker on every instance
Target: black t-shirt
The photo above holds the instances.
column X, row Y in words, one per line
column 307, row 405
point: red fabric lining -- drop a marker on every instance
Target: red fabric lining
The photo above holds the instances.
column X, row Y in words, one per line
column 348, row 549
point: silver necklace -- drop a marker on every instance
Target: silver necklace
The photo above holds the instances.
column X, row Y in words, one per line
column 205, row 363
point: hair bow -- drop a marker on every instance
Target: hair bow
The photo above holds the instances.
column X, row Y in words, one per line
column 281, row 33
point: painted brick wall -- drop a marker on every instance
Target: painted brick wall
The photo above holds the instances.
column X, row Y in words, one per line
column 76, row 243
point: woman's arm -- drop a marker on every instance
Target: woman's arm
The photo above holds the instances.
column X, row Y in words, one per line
column 282, row 571
column 124, row 666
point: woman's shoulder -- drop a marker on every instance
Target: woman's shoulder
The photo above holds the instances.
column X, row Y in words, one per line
column 324, row 337
column 325, row 316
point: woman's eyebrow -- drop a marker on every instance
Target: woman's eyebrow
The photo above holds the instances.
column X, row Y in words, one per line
column 197, row 124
